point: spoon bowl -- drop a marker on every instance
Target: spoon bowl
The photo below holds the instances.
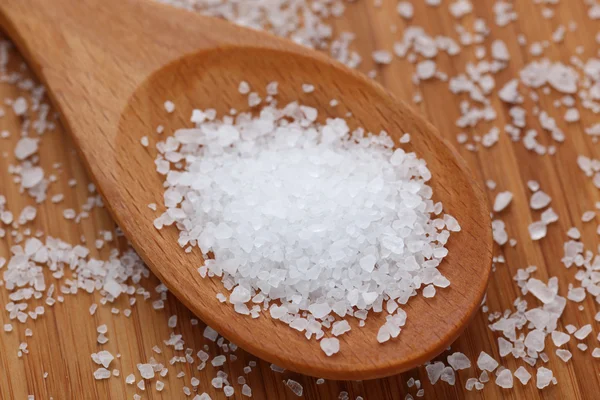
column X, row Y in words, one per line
column 110, row 81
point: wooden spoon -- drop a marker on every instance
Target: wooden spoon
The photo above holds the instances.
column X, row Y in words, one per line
column 110, row 65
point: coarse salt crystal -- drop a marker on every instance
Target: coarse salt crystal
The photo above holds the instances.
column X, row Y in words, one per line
column 169, row 106
column 502, row 201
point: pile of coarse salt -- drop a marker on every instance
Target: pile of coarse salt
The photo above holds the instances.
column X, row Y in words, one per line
column 310, row 221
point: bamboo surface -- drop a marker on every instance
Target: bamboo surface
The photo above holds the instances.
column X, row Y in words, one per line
column 65, row 336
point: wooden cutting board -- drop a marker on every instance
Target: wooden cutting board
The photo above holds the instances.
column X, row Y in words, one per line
column 65, row 336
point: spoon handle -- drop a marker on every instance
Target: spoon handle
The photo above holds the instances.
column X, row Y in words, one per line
column 108, row 45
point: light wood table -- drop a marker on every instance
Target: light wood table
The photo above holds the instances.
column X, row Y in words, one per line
column 65, row 336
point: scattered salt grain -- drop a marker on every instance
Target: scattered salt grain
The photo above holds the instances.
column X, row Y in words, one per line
column 169, row 106
column 405, row 9
column 544, row 377
column 522, row 375
column 537, row 230
column 539, row 200
column 505, row 379
column 146, row 371
column 583, row 332
column 560, row 338
column 103, row 357
column 102, row 373
column 244, row 87
column 330, row 346
column 295, row 387
column 308, row 88
column 502, row 201
column 563, row 354
column 486, row 362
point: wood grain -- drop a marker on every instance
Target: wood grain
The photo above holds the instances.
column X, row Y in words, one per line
column 65, row 336
column 109, row 110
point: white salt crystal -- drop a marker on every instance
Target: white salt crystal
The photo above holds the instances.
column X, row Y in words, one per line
column 486, row 362
column 504, row 347
column 429, row 291
column 576, row 294
column 308, row 88
column 539, row 200
column 340, row 327
column 103, row 357
column 368, row 262
column 505, row 379
column 574, row 233
column 502, row 201
column 549, row 216
column 405, row 9
column 228, row 391
column 246, row 391
column 102, row 373
column 319, row 310
column 330, row 346
column 588, row 216
column 31, row 176
column 541, row 291
column 537, row 230
column 240, row 295
column 583, row 332
column 596, row 352
column 448, row 376
column 383, row 335
column 544, row 377
column 434, row 371
column 218, row 360
column 20, row 106
column 563, row 354
column 295, row 387
column 560, row 338
column 146, row 371
column 535, row 340
column 500, row 51
column 426, row 69
column 169, row 106
column 244, row 87
column 210, row 333
column 26, row 147
column 522, row 375
column 382, row 56
column 534, row 186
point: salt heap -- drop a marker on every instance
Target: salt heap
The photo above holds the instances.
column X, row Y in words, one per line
column 327, row 222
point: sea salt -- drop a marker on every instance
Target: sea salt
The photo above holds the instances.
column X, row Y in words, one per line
column 321, row 258
column 486, row 362
column 560, row 338
column 537, row 230
column 522, row 375
column 539, row 200
column 295, row 387
column 502, row 201
column 330, row 346
column 544, row 377
column 505, row 379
